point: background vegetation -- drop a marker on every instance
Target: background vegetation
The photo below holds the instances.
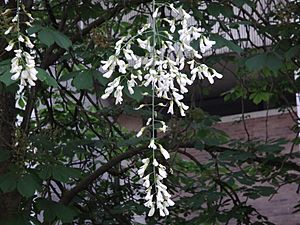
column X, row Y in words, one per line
column 69, row 162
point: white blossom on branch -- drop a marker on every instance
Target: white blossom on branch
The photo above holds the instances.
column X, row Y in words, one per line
column 23, row 64
column 167, row 66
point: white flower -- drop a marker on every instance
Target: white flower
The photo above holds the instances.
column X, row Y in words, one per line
column 122, row 66
column 155, row 163
column 205, row 44
column 109, row 64
column 185, row 14
column 140, row 107
column 216, row 74
column 170, row 202
column 146, row 183
column 18, row 53
column 173, row 28
column 142, row 169
column 118, row 45
column 130, row 85
column 164, row 127
column 108, row 74
column 8, row 30
column 152, row 144
column 162, row 171
column 149, row 196
column 154, row 15
column 164, row 152
column 173, row 8
column 171, row 107
column 148, row 121
column 138, row 63
column 145, row 27
column 118, row 94
column 15, row 18
column 152, row 211
column 140, row 132
column 111, row 86
column 21, row 39
column 28, row 43
column 145, row 44
column 163, row 68
column 10, row 46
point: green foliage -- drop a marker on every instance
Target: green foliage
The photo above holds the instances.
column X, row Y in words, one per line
column 28, row 184
column 46, row 78
column 49, row 36
column 264, row 60
column 221, row 42
column 53, row 211
column 72, row 142
column 8, row 182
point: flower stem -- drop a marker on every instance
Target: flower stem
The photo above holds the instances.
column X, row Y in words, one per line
column 18, row 22
column 153, row 85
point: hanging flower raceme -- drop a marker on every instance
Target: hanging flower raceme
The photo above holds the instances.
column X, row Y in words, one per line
column 168, row 67
column 23, row 63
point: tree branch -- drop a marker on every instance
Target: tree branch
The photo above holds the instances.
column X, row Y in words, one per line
column 85, row 182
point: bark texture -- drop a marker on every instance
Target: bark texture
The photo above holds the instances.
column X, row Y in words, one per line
column 9, row 202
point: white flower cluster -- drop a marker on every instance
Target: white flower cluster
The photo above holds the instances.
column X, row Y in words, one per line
column 169, row 74
column 168, row 66
column 157, row 190
column 23, row 64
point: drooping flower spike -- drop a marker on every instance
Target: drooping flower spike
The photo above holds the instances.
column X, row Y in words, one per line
column 23, row 64
column 167, row 67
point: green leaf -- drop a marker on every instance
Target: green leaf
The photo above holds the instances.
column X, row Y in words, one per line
column 260, row 96
column 62, row 40
column 8, row 182
column 46, row 78
column 34, row 29
column 270, row 148
column 99, row 77
column 264, row 60
column 54, row 210
column 27, row 185
column 5, row 66
column 230, row 155
column 273, row 62
column 214, row 9
column 68, row 76
column 45, row 172
column 21, row 102
column 63, row 174
column 240, row 3
column 264, row 190
column 292, row 52
column 6, row 78
column 65, row 214
column 256, row 62
column 48, row 207
column 46, row 36
column 221, row 42
column 83, row 80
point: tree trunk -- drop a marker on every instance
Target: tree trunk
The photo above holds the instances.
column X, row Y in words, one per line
column 9, row 202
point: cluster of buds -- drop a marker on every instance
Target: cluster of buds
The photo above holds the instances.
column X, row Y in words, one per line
column 168, row 66
column 23, row 64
